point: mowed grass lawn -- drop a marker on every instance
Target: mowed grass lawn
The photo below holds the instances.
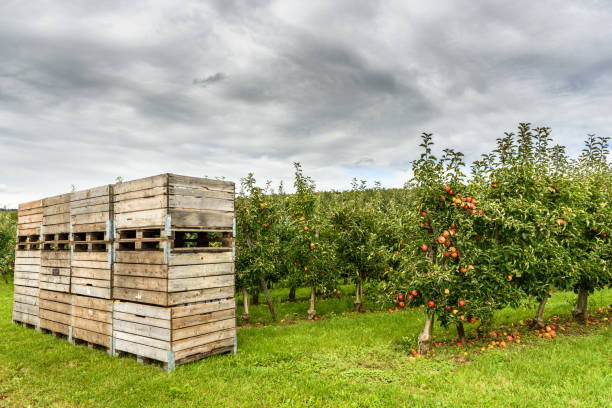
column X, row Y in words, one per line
column 342, row 360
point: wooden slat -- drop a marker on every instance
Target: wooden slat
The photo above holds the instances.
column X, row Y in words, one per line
column 134, row 338
column 138, row 282
column 102, row 191
column 196, row 271
column 160, row 180
column 139, row 329
column 96, row 283
column 55, row 316
column 59, row 255
column 150, row 321
column 206, row 194
column 56, row 296
column 27, row 291
column 64, row 308
column 201, row 340
column 140, row 257
column 200, row 319
column 90, row 218
column 176, row 180
column 91, row 202
column 141, row 350
column 196, row 258
column 144, row 296
column 92, row 325
column 141, row 219
column 25, row 275
column 203, row 219
column 55, row 200
column 34, row 283
column 31, row 268
column 155, row 312
column 104, row 293
column 54, row 287
column 55, row 210
column 144, row 270
column 92, row 314
column 25, row 308
column 93, row 303
column 146, row 193
column 102, row 208
column 179, row 285
column 30, row 300
column 29, row 219
column 203, row 329
column 204, row 350
column 141, row 204
column 199, row 203
column 54, row 326
column 91, row 337
column 30, row 205
column 200, row 295
column 179, row 312
column 27, row 254
column 26, row 318
column 92, row 273
column 64, row 280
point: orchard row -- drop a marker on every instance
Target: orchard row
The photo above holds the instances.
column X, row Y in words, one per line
column 528, row 219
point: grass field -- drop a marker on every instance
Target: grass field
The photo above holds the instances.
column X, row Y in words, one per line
column 343, row 360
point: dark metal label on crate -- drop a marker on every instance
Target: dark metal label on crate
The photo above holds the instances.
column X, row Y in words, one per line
column 55, row 271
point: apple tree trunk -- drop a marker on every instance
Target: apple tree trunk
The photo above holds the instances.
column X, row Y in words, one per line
column 538, row 321
column 264, row 287
column 312, row 310
column 358, row 295
column 245, row 302
column 580, row 310
column 292, row 294
column 426, row 336
column 461, row 333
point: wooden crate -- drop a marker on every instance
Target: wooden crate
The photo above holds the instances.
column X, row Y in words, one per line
column 27, row 263
column 190, row 202
column 55, row 255
column 91, row 320
column 55, row 270
column 146, row 277
column 174, row 240
column 55, row 311
column 56, row 218
column 91, row 242
column 175, row 335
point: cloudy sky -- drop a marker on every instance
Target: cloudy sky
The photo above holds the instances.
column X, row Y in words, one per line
column 90, row 91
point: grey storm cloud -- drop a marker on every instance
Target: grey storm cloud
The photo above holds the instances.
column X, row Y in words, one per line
column 209, row 80
column 94, row 90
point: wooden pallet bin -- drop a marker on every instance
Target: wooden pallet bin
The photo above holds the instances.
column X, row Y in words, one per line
column 91, row 321
column 91, row 242
column 55, row 255
column 55, row 311
column 174, row 240
column 175, row 335
column 27, row 263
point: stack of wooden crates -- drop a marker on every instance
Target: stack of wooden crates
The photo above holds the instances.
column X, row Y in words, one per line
column 142, row 267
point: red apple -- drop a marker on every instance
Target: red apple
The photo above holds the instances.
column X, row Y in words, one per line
column 462, row 303
column 431, row 304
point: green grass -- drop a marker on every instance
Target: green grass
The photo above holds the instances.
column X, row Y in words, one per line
column 343, row 360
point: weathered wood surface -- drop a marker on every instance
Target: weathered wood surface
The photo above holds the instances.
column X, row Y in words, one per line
column 200, row 270
column 200, row 295
column 141, row 296
column 205, row 350
column 26, row 318
column 203, row 282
